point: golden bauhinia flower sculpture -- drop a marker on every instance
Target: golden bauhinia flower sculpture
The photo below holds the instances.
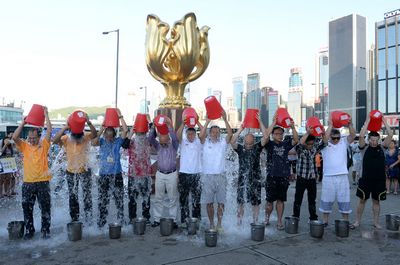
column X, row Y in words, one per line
column 176, row 61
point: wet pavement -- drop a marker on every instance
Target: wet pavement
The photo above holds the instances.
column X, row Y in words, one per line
column 365, row 245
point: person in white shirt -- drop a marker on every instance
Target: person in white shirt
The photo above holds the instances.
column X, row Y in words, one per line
column 189, row 171
column 335, row 183
column 213, row 179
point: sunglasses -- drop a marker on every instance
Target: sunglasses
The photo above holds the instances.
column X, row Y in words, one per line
column 335, row 138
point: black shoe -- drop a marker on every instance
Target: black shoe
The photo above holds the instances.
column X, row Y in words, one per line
column 29, row 236
column 155, row 224
column 148, row 222
column 45, row 234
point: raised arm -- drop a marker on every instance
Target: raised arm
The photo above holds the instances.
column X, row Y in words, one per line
column 295, row 139
column 236, row 136
column 361, row 141
column 389, row 137
column 228, row 128
column 152, row 138
column 325, row 138
column 203, row 131
column 18, row 131
column 352, row 132
column 93, row 132
column 124, row 132
column 48, row 124
column 96, row 141
column 180, row 129
column 268, row 131
column 262, row 129
column 305, row 136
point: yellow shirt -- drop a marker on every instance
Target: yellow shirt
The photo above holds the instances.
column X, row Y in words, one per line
column 36, row 167
column 77, row 153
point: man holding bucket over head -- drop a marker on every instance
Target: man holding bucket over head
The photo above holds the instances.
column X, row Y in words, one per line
column 278, row 167
column 36, row 176
column 77, row 145
column 214, row 180
column 335, row 183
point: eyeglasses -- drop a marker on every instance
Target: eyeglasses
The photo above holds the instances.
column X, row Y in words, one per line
column 335, row 138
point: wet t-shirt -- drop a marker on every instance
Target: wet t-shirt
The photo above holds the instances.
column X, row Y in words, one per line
column 249, row 161
column 373, row 163
column 277, row 158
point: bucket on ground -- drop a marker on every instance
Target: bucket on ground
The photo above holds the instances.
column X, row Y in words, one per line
column 74, row 231
column 114, row 230
column 213, row 108
column 257, row 232
column 340, row 119
column 139, row 226
column 283, row 118
column 16, row 230
column 191, row 117
column 315, row 125
column 36, row 116
column 291, row 225
column 166, row 226
column 192, row 225
column 111, row 118
column 141, row 124
column 317, row 229
column 161, row 124
column 375, row 121
column 342, row 228
column 211, row 237
column 76, row 121
column 250, row 119
column 391, row 222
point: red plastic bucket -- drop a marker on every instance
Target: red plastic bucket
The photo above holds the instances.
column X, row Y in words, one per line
column 316, row 127
column 340, row 119
column 375, row 122
column 76, row 121
column 213, row 108
column 36, row 116
column 250, row 119
column 190, row 117
column 161, row 124
column 111, row 118
column 283, row 118
column 141, row 124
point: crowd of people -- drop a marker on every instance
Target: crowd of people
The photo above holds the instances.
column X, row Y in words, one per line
column 191, row 164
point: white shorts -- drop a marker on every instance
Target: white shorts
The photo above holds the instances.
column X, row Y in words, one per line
column 335, row 188
column 213, row 188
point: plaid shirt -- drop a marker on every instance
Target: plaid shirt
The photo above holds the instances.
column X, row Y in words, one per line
column 305, row 166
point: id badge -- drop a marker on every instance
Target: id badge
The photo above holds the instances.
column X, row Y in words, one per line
column 110, row 159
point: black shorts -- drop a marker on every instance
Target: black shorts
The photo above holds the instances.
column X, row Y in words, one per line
column 375, row 187
column 251, row 188
column 276, row 188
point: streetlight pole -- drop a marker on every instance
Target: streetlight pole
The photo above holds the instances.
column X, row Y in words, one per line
column 116, row 75
column 145, row 98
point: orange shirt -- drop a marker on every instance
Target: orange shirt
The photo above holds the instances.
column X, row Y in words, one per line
column 77, row 152
column 36, row 167
column 318, row 160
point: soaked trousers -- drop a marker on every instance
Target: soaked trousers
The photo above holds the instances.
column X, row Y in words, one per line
column 41, row 191
column 189, row 183
column 139, row 186
column 310, row 185
column 115, row 184
column 86, row 182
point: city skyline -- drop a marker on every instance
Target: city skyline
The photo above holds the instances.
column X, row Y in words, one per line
column 54, row 53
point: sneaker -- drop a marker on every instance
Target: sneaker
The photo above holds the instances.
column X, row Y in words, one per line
column 155, row 224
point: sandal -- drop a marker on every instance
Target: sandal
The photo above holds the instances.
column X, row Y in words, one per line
column 280, row 227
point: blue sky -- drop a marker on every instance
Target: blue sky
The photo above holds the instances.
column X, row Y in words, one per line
column 53, row 52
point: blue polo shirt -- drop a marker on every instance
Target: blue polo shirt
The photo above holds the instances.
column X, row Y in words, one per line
column 110, row 157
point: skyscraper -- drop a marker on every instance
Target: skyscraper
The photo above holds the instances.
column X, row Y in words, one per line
column 347, row 67
column 273, row 104
column 218, row 95
column 253, row 82
column 295, row 95
column 321, row 85
column 238, row 87
column 209, row 91
column 387, row 72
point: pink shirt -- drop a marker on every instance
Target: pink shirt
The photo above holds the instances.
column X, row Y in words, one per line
column 139, row 158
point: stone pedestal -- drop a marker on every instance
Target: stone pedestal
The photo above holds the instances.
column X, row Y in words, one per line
column 174, row 114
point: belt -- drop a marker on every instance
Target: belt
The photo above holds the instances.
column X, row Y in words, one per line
column 167, row 172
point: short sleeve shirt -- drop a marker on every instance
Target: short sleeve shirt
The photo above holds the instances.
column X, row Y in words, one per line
column 139, row 157
column 214, row 156
column 190, row 162
column 277, row 158
column 249, row 160
column 77, row 153
column 110, row 157
column 335, row 158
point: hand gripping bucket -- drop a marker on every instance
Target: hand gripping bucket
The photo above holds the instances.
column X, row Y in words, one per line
column 283, row 118
column 36, row 116
column 316, row 127
column 340, row 119
column 375, row 122
column 190, row 117
column 161, row 124
column 141, row 124
column 76, row 121
column 111, row 118
column 250, row 119
column 213, row 108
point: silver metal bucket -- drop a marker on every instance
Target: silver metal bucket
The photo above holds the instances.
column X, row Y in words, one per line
column 291, row 225
column 316, row 229
column 74, row 231
column 257, row 232
column 166, row 226
column 139, row 226
column 114, row 230
column 342, row 228
column 192, row 225
column 211, row 237
column 16, row 230
column 391, row 222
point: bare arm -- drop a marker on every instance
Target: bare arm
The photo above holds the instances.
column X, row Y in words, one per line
column 328, row 131
column 295, row 139
column 228, row 128
column 93, row 132
column 48, row 124
column 268, row 131
column 57, row 138
column 305, row 136
column 361, row 141
column 262, row 129
column 388, row 138
column 96, row 141
column 203, row 132
column 352, row 131
column 18, row 131
column 236, row 136
column 124, row 132
column 180, row 129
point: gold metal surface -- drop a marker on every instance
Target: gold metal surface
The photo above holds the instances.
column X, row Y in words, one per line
column 177, row 60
